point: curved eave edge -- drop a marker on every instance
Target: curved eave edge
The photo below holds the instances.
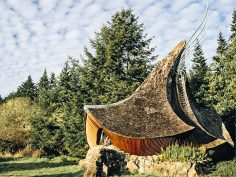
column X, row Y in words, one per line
column 141, row 137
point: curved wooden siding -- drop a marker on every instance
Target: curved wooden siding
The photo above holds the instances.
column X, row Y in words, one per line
column 91, row 131
column 147, row 146
column 137, row 146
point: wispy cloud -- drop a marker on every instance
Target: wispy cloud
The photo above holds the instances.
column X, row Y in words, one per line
column 40, row 34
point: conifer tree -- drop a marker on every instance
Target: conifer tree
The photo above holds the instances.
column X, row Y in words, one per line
column 198, row 81
column 216, row 83
column 233, row 26
column 221, row 48
column 27, row 89
column 53, row 93
column 227, row 100
column 43, row 91
column 71, row 108
column 1, row 99
column 11, row 95
column 52, row 81
column 63, row 85
column 121, row 61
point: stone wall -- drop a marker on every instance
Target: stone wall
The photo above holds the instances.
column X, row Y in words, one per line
column 107, row 161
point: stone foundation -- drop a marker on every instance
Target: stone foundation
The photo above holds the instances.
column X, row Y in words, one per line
column 107, row 160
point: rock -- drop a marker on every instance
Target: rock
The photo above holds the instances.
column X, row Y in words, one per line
column 82, row 164
column 104, row 170
column 192, row 172
column 132, row 167
column 133, row 158
column 103, row 161
column 91, row 170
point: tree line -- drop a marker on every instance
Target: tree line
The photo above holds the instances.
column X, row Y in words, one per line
column 215, row 85
column 121, row 60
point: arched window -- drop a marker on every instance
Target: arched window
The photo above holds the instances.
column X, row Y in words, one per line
column 102, row 138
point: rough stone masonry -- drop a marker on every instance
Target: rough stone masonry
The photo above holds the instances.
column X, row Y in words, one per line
column 102, row 161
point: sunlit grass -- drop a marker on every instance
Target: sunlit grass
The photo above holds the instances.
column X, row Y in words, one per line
column 224, row 169
column 48, row 167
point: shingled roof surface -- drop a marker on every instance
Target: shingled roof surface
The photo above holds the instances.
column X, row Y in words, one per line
column 147, row 112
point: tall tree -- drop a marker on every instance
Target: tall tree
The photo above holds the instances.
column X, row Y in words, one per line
column 1, row 99
column 53, row 92
column 43, row 91
column 63, row 84
column 52, row 80
column 216, row 83
column 227, row 101
column 27, row 89
column 71, row 108
column 121, row 61
column 233, row 26
column 198, row 81
column 221, row 48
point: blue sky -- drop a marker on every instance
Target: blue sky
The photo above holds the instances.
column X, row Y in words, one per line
column 40, row 34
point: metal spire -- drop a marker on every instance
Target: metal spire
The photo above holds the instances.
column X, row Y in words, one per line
column 197, row 36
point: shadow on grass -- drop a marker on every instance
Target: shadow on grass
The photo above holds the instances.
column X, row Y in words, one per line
column 75, row 174
column 6, row 159
column 31, row 165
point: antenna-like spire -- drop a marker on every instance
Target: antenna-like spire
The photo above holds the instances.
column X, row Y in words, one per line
column 198, row 35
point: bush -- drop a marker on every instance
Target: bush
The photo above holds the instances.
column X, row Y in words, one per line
column 15, row 127
column 46, row 135
column 224, row 169
column 177, row 153
column 7, row 146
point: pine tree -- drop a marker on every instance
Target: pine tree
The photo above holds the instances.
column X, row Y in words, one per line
column 227, row 101
column 10, row 96
column 1, row 99
column 53, row 81
column 216, row 84
column 221, row 48
column 43, row 91
column 70, row 108
column 121, row 61
column 233, row 26
column 27, row 89
column 53, row 93
column 198, row 81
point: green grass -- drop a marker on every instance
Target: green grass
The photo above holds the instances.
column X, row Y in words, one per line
column 67, row 167
column 224, row 169
column 41, row 167
column 138, row 175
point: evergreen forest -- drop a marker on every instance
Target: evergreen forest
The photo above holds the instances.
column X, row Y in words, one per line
column 48, row 115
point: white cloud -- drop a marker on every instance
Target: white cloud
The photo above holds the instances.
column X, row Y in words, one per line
column 40, row 34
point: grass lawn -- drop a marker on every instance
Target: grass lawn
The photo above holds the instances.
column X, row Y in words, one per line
column 224, row 169
column 45, row 167
column 67, row 167
column 59, row 166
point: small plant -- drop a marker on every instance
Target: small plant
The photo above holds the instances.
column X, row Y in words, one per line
column 26, row 152
column 37, row 153
column 177, row 153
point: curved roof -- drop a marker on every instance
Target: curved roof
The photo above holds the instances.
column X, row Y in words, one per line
column 147, row 112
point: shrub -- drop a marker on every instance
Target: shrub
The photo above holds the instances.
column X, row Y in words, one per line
column 177, row 153
column 224, row 169
column 26, row 152
column 46, row 134
column 14, row 125
column 37, row 153
column 7, row 146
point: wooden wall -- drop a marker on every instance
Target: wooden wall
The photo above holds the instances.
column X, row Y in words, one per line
column 137, row 146
column 145, row 146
